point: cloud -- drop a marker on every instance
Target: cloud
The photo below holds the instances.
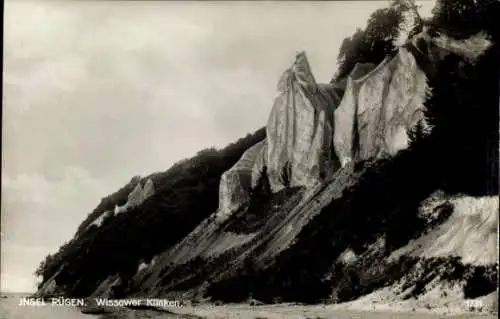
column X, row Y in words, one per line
column 38, row 214
column 34, row 205
column 130, row 83
column 18, row 263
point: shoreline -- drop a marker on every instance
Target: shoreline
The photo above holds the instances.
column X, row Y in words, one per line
column 362, row 308
column 290, row 310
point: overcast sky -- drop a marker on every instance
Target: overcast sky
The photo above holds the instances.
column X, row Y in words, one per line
column 97, row 92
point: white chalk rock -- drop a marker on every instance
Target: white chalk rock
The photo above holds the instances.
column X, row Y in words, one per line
column 137, row 196
column 300, row 129
column 149, row 189
column 379, row 109
column 236, row 183
column 298, row 149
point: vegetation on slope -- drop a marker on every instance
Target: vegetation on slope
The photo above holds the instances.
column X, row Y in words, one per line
column 185, row 194
column 252, row 219
column 118, row 198
column 377, row 40
column 463, row 107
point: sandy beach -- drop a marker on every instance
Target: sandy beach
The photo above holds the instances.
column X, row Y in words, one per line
column 293, row 311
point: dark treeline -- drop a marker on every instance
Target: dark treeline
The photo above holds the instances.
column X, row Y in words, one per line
column 376, row 42
column 464, row 103
column 185, row 194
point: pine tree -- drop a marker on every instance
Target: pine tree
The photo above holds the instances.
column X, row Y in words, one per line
column 468, row 17
column 417, row 133
column 376, row 41
column 286, row 175
column 262, row 188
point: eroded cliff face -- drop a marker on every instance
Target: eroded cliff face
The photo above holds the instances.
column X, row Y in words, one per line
column 236, row 183
column 379, row 109
column 300, row 129
column 298, row 149
column 313, row 131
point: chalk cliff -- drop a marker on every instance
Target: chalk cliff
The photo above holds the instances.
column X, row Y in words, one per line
column 300, row 129
column 237, row 182
column 379, row 109
column 299, row 148
column 313, row 134
column 313, row 130
column 137, row 196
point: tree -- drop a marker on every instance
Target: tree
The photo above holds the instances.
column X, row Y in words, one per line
column 417, row 133
column 286, row 174
column 463, row 113
column 262, row 188
column 376, row 41
column 43, row 266
column 468, row 16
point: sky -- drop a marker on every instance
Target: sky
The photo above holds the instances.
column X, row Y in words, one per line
column 96, row 92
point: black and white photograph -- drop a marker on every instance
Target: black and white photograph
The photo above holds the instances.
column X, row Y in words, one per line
column 250, row 159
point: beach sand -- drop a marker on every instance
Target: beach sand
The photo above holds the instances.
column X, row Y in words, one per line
column 294, row 311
